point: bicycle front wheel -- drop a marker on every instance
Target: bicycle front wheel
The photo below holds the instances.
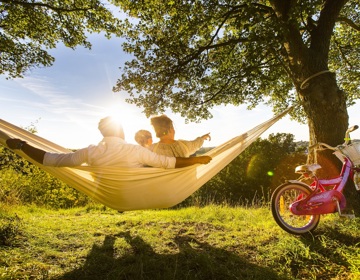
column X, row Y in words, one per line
column 281, row 200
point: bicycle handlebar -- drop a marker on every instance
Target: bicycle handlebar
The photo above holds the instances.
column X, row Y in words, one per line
column 347, row 133
column 352, row 128
column 347, row 140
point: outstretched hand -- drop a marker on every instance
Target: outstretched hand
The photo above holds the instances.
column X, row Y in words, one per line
column 13, row 143
column 206, row 136
column 33, row 152
column 204, row 159
column 183, row 162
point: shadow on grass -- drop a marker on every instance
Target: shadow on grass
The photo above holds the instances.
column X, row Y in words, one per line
column 192, row 260
column 327, row 243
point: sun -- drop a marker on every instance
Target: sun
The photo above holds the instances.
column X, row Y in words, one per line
column 117, row 112
column 113, row 109
column 129, row 116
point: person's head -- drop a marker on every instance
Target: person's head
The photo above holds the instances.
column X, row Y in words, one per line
column 163, row 126
column 143, row 138
column 111, row 127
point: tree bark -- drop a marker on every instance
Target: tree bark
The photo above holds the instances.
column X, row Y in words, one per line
column 325, row 105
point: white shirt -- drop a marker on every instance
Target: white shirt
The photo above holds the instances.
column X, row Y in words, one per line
column 111, row 151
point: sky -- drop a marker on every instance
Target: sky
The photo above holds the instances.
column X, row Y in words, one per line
column 66, row 101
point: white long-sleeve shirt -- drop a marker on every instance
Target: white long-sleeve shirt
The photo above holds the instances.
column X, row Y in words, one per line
column 111, row 151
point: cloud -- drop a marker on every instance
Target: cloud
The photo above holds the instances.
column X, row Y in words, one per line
column 52, row 99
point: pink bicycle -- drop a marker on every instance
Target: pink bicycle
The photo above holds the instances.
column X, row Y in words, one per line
column 297, row 206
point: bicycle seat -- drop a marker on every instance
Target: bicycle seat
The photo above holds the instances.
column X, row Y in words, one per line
column 307, row 168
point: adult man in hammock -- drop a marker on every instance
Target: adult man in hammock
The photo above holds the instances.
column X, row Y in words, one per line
column 170, row 147
column 113, row 150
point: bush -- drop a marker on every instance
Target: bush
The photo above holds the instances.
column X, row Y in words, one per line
column 23, row 182
column 252, row 176
column 10, row 228
column 12, row 183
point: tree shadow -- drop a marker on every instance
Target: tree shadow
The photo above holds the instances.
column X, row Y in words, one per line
column 327, row 243
column 192, row 260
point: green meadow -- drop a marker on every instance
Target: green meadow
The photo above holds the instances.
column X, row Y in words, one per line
column 211, row 242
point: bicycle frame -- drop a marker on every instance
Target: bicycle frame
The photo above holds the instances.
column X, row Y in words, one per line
column 297, row 206
column 323, row 200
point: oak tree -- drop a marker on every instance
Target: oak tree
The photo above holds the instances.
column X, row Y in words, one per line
column 192, row 55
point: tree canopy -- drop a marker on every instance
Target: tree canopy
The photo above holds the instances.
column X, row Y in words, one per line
column 193, row 55
column 28, row 29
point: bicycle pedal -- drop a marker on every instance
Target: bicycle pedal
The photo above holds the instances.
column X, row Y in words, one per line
column 349, row 216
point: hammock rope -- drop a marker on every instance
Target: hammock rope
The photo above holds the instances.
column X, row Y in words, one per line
column 126, row 189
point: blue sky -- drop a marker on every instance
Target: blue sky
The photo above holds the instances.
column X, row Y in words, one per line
column 66, row 101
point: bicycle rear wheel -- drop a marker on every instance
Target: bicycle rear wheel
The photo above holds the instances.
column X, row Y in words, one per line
column 281, row 199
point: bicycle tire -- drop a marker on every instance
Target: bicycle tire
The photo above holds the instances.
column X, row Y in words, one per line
column 281, row 199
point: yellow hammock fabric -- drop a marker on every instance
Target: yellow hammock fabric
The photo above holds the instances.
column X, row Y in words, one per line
column 127, row 189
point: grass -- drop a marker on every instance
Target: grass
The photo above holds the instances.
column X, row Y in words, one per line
column 213, row 242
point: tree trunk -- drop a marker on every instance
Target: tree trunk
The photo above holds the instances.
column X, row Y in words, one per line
column 325, row 106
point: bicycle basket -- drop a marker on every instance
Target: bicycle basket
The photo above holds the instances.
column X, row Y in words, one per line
column 350, row 151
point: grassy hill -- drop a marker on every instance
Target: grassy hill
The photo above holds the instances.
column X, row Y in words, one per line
column 193, row 243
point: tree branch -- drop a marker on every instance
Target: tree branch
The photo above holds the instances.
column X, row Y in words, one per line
column 57, row 9
column 321, row 35
column 282, row 8
column 349, row 22
column 338, row 45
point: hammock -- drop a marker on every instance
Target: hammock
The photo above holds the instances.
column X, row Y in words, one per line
column 127, row 189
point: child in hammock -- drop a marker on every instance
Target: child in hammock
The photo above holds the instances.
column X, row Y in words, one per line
column 143, row 138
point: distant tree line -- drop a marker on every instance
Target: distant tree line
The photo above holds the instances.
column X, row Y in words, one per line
column 249, row 179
